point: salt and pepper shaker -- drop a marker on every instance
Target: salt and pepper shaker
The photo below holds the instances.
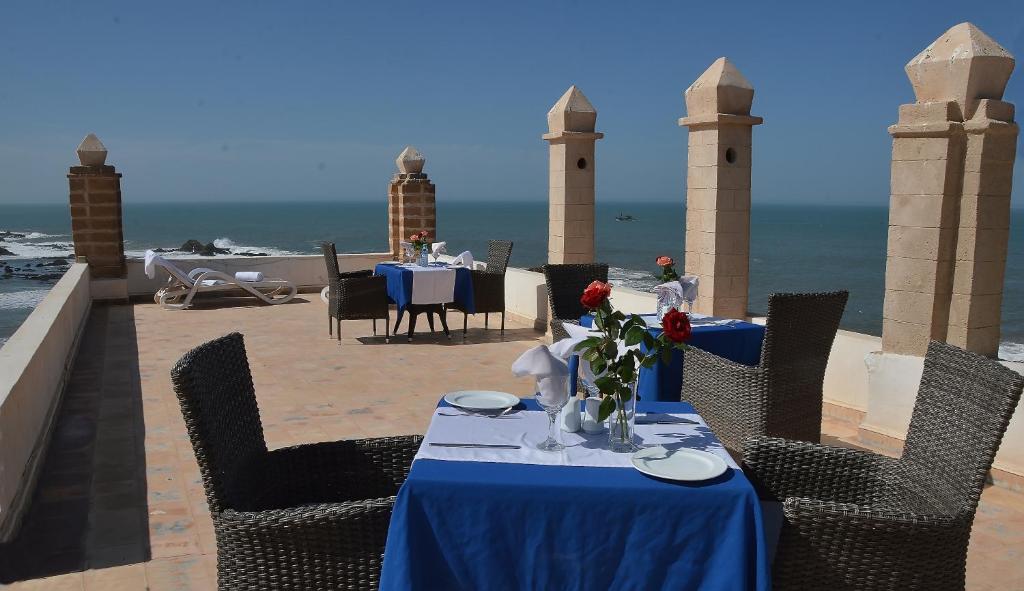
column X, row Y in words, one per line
column 571, row 416
column 592, row 412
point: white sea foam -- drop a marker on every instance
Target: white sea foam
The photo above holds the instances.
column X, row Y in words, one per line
column 22, row 299
column 1011, row 351
column 631, row 278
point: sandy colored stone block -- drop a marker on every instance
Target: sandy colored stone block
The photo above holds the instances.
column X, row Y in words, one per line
column 924, row 211
column 905, row 338
column 702, row 177
column 921, row 148
column 985, row 211
column 938, row 244
column 730, row 307
column 914, row 307
column 923, row 177
column 979, row 278
column 999, row 147
column 733, row 177
column 975, row 311
column 984, row 340
column 699, row 198
column 982, row 244
column 996, row 180
column 920, row 275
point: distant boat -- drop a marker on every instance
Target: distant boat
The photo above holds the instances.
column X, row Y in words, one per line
column 624, row 218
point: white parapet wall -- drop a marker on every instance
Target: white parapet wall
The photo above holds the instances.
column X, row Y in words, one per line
column 307, row 272
column 34, row 367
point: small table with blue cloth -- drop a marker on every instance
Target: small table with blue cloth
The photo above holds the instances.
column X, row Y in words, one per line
column 737, row 341
column 400, row 282
column 509, row 526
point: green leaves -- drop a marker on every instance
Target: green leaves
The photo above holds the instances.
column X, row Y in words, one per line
column 606, row 409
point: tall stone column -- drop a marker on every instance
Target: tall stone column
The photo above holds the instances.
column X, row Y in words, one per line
column 95, row 200
column 411, row 200
column 571, row 138
column 718, row 188
column 952, row 162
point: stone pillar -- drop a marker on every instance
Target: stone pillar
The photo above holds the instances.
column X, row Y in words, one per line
column 952, row 165
column 95, row 199
column 718, row 188
column 411, row 200
column 571, row 138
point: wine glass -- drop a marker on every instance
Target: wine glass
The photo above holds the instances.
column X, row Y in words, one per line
column 552, row 395
column 689, row 305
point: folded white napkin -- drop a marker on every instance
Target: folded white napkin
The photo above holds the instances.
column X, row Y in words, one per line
column 566, row 347
column 407, row 248
column 439, row 248
column 249, row 276
column 551, row 373
column 672, row 289
column 464, row 259
column 151, row 260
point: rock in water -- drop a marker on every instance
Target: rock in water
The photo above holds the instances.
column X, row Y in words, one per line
column 192, row 246
column 5, row 252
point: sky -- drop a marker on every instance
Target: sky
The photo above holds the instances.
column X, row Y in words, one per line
column 272, row 101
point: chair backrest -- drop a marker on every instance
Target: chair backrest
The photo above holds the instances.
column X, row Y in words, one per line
column 331, row 260
column 566, row 283
column 964, row 404
column 214, row 388
column 794, row 354
column 498, row 253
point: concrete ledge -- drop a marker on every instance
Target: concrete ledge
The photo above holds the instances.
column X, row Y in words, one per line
column 34, row 368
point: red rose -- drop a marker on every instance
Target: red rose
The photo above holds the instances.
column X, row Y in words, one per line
column 595, row 294
column 664, row 261
column 424, row 234
column 414, row 238
column 676, row 325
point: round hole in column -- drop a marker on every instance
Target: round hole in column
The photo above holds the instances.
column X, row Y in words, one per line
column 581, row 163
column 730, row 155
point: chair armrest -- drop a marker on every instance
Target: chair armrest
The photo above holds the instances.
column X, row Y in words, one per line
column 347, row 470
column 785, row 469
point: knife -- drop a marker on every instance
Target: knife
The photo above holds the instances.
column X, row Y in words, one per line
column 485, row 445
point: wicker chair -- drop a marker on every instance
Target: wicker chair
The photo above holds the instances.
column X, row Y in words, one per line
column 857, row 520
column 489, row 284
column 356, row 295
column 781, row 396
column 305, row 517
column 565, row 286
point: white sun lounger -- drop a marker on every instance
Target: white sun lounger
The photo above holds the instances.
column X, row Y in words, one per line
column 182, row 287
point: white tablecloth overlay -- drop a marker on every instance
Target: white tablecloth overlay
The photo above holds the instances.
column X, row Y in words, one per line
column 432, row 285
column 527, row 428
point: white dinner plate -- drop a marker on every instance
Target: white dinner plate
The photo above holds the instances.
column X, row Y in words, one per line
column 683, row 464
column 481, row 399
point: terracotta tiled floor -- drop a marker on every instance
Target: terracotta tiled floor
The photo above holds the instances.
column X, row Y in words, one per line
column 120, row 504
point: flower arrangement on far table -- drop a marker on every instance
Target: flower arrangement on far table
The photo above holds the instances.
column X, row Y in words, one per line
column 668, row 271
column 419, row 240
column 616, row 367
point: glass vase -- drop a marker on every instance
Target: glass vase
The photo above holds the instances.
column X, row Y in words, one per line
column 667, row 299
column 621, row 423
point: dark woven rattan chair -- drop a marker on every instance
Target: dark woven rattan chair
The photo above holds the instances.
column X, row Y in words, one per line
column 356, row 295
column 489, row 284
column 305, row 517
column 565, row 287
column 781, row 396
column 857, row 520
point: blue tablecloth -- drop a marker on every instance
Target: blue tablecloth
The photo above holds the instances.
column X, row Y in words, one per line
column 476, row 525
column 400, row 285
column 739, row 342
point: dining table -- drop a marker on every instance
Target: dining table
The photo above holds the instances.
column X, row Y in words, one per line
column 515, row 517
column 416, row 289
column 736, row 340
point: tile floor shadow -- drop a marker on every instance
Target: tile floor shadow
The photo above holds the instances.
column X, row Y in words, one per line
column 88, row 509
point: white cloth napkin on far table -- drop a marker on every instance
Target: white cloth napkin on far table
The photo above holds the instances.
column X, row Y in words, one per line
column 465, row 259
column 438, row 248
column 432, row 285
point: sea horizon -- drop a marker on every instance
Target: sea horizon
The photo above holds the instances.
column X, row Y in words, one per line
column 794, row 246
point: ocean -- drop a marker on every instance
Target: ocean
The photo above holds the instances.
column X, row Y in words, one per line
column 793, row 247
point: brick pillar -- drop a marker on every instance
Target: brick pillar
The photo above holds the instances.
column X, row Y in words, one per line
column 411, row 200
column 718, row 188
column 950, row 198
column 95, row 199
column 571, row 138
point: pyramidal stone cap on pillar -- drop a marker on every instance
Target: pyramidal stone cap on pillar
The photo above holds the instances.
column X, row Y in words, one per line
column 572, row 113
column 91, row 152
column 410, row 161
column 963, row 65
column 720, row 89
